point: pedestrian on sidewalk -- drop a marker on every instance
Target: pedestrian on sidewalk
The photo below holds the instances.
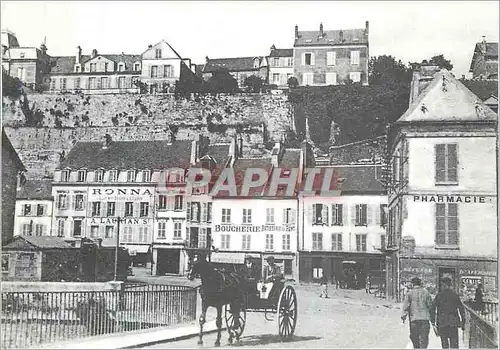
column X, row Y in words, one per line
column 448, row 305
column 324, row 287
column 417, row 306
column 368, row 284
column 478, row 298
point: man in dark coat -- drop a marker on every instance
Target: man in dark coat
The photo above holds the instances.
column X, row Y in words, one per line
column 478, row 299
column 447, row 305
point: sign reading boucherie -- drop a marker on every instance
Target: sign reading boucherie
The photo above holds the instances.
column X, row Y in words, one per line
column 116, row 194
column 254, row 228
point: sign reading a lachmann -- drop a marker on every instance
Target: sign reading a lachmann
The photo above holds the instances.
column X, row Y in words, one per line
column 451, row 199
column 254, row 228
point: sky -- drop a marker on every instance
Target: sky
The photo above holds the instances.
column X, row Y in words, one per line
column 408, row 30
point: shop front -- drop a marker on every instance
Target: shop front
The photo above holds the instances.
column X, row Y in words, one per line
column 349, row 269
column 465, row 273
column 170, row 259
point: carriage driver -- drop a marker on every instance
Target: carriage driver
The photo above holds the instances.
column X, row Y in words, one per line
column 272, row 274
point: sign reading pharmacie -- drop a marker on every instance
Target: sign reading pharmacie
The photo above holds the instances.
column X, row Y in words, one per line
column 117, row 194
column 439, row 198
column 254, row 228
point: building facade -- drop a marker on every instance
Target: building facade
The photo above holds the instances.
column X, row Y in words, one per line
column 484, row 64
column 29, row 64
column 331, row 57
column 442, row 194
column 34, row 209
column 105, row 188
column 280, row 66
column 341, row 236
column 12, row 176
column 239, row 67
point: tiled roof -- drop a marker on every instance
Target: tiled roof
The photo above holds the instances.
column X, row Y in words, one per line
column 482, row 88
column 360, row 152
column 66, row 64
column 352, row 179
column 36, row 242
column 129, row 154
column 231, row 64
column 36, row 189
column 331, row 37
column 491, row 48
column 281, row 53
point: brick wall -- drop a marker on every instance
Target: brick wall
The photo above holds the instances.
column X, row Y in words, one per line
column 258, row 118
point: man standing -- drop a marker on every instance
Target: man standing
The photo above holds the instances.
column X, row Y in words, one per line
column 448, row 306
column 417, row 305
column 478, row 298
column 272, row 274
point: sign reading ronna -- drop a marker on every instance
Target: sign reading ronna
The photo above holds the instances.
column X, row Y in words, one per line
column 97, row 194
column 451, row 199
column 254, row 228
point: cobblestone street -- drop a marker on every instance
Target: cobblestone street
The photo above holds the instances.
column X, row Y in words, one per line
column 348, row 319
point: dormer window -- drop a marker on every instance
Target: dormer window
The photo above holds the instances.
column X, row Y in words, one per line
column 137, row 67
column 131, row 176
column 113, row 175
column 256, row 63
column 121, row 67
column 175, row 176
column 158, row 53
column 65, row 175
column 78, row 68
column 146, row 176
column 99, row 176
column 93, row 67
column 82, row 176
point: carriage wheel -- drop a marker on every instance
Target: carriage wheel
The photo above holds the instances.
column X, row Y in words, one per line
column 230, row 321
column 287, row 313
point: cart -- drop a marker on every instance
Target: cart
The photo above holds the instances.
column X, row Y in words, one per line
column 268, row 298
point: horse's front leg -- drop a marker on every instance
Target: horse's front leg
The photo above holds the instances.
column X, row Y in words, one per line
column 202, row 321
column 218, row 323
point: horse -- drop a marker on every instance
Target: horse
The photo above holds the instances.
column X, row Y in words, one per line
column 218, row 288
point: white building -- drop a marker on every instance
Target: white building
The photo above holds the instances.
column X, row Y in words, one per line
column 33, row 215
column 344, row 230
column 442, row 197
column 101, row 182
column 280, row 66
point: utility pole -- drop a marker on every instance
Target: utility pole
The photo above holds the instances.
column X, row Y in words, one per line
column 117, row 248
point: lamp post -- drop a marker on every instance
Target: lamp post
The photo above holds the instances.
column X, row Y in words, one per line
column 117, row 248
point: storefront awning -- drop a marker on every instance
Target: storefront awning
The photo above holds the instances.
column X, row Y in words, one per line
column 136, row 249
column 228, row 258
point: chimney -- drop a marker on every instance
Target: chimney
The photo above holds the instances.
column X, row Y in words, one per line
column 341, row 36
column 296, row 31
column 94, row 53
column 367, row 27
column 273, row 48
column 78, row 54
column 233, row 148
column 483, row 45
column 321, row 30
column 150, row 46
column 240, row 147
column 275, row 155
column 43, row 49
column 206, row 59
column 195, row 144
column 107, row 141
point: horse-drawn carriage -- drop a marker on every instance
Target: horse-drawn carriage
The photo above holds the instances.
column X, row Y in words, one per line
column 239, row 296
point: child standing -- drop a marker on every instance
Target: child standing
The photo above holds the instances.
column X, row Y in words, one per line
column 324, row 287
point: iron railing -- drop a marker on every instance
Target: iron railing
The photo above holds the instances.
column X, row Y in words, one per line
column 35, row 318
column 479, row 331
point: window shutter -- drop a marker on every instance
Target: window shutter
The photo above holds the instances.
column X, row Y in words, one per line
column 293, row 213
column 354, row 214
column 310, row 214
column 284, row 215
column 70, row 228
column 136, row 209
column 120, row 209
column 324, row 214
column 312, row 59
column 440, row 162
column 378, row 214
column 369, row 214
column 89, row 209
column 343, row 209
column 102, row 231
column 303, row 58
column 104, row 209
column 452, row 162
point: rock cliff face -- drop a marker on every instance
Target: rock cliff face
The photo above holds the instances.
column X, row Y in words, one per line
column 64, row 119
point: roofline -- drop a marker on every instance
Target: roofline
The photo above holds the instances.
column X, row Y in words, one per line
column 357, row 142
column 449, row 122
column 332, row 44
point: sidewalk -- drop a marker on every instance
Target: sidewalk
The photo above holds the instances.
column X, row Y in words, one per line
column 136, row 339
column 435, row 342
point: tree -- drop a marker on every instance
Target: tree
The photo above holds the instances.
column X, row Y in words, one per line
column 385, row 70
column 292, row 82
column 254, row 83
column 11, row 87
column 221, row 81
column 437, row 60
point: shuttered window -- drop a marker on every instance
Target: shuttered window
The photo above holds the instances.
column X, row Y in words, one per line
column 361, row 215
column 331, row 58
column 337, row 214
column 447, row 224
column 320, row 214
column 446, row 163
column 317, row 241
column 361, row 243
column 337, row 241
